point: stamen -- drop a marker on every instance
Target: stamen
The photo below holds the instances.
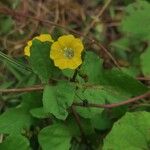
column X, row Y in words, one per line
column 68, row 52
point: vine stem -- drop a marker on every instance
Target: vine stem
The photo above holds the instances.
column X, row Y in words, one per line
column 41, row 87
column 143, row 78
column 78, row 121
column 77, row 118
column 96, row 18
column 22, row 90
column 131, row 100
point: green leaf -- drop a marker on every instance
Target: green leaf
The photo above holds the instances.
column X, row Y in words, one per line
column 68, row 73
column 131, row 132
column 39, row 113
column 40, row 60
column 136, row 20
column 115, row 87
column 91, row 67
column 13, row 142
column 121, row 44
column 114, row 81
column 97, row 94
column 145, row 62
column 131, row 71
column 32, row 100
column 56, row 99
column 120, row 82
column 91, row 95
column 56, row 137
column 15, row 120
column 110, row 86
column 101, row 122
column 73, row 127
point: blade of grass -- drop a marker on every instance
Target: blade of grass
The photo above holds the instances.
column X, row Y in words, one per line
column 14, row 62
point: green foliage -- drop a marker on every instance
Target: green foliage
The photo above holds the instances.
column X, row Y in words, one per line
column 13, row 142
column 91, row 95
column 91, row 67
column 137, row 19
column 68, row 73
column 101, row 121
column 58, row 138
column 67, row 111
column 145, row 62
column 101, row 87
column 136, row 32
column 130, row 132
column 123, row 83
column 56, row 99
column 39, row 113
column 40, row 60
column 15, row 120
column 112, row 86
column 113, row 80
column 18, row 120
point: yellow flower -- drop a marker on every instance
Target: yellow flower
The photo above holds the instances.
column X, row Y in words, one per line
column 66, row 52
column 42, row 38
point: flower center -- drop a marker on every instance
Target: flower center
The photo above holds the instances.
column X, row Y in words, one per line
column 68, row 52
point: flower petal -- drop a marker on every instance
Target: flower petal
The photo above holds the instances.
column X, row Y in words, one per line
column 27, row 48
column 61, row 63
column 44, row 38
column 56, row 51
column 77, row 61
column 66, row 40
column 58, row 48
column 67, row 64
column 77, row 45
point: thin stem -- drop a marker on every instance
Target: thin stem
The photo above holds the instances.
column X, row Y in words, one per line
column 21, row 90
column 96, row 18
column 41, row 87
column 12, row 61
column 131, row 100
column 77, row 118
column 143, row 78
column 73, row 79
column 78, row 121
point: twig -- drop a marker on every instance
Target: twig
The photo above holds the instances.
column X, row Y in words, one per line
column 1, row 138
column 108, row 53
column 22, row 90
column 143, row 78
column 96, row 18
column 41, row 87
column 57, row 13
column 77, row 120
column 13, row 13
column 131, row 100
